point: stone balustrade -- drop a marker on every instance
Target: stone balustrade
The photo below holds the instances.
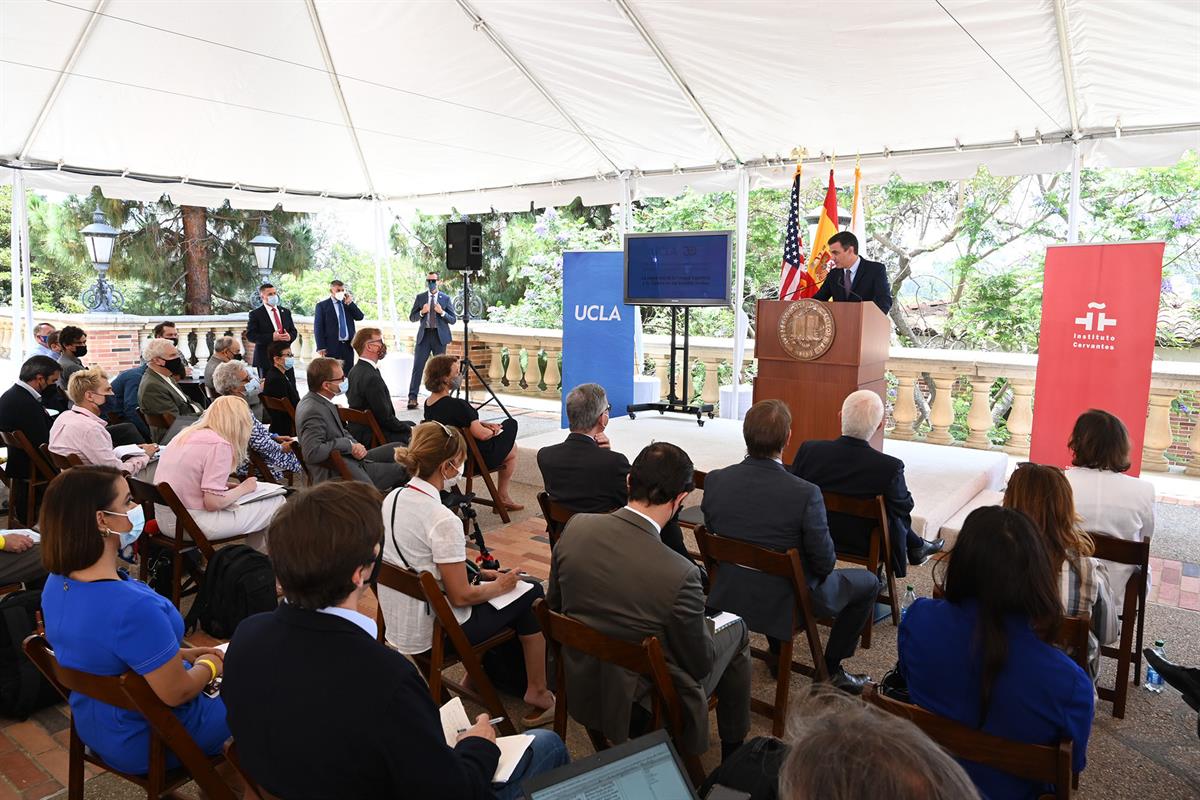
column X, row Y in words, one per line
column 527, row 362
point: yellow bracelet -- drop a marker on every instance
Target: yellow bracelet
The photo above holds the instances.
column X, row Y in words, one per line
column 211, row 668
column 2, row 541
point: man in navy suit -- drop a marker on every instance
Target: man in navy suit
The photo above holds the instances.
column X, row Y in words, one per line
column 854, row 279
column 270, row 322
column 333, row 323
column 433, row 334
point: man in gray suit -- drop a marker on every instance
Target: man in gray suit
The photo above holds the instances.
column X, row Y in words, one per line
column 612, row 573
column 760, row 502
column 320, row 430
column 435, row 311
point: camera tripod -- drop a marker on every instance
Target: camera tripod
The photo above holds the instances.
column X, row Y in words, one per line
column 466, row 366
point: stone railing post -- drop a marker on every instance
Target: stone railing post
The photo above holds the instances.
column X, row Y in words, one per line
column 979, row 417
column 941, row 414
column 904, row 412
column 552, row 376
column 1193, row 467
column 1158, row 431
column 1020, row 417
column 663, row 369
column 514, row 373
column 711, row 392
column 496, row 364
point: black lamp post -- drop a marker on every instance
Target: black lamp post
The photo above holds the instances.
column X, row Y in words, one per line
column 102, row 297
column 264, row 246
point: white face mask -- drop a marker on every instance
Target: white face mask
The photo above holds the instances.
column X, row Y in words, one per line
column 457, row 475
column 339, row 296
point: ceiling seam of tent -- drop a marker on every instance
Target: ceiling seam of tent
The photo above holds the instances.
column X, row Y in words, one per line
column 682, row 85
column 480, row 24
column 61, row 80
column 999, row 66
column 331, row 70
column 1068, row 68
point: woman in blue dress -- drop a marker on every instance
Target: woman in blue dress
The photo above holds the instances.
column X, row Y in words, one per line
column 100, row 622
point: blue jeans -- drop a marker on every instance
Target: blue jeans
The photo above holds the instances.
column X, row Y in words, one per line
column 545, row 753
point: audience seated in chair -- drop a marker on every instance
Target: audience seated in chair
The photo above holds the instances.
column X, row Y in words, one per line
column 369, row 391
column 21, row 409
column 279, row 381
column 1044, row 495
column 321, row 432
column 495, row 442
column 159, row 392
column 425, row 536
column 101, row 622
column 758, row 501
column 73, row 341
column 611, row 572
column 197, row 465
column 125, row 386
column 82, row 431
column 376, row 732
column 584, row 473
column 1107, row 500
column 849, row 465
column 983, row 655
column 234, row 379
column 226, row 349
column 904, row 763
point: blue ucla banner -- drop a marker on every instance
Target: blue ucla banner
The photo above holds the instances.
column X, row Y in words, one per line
column 597, row 327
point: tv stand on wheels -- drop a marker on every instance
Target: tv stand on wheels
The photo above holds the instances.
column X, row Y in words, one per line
column 676, row 403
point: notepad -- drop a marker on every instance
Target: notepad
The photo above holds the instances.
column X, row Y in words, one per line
column 512, row 748
column 125, row 451
column 33, row 535
column 723, row 620
column 508, row 597
column 263, row 491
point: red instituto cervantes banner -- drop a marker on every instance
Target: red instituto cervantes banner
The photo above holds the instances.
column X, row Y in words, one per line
column 1099, row 313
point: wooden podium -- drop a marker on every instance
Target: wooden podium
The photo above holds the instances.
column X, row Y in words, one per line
column 814, row 387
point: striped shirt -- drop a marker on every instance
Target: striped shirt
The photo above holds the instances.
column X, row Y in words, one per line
column 1083, row 584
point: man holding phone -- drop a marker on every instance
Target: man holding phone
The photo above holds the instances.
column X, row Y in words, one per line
column 434, row 311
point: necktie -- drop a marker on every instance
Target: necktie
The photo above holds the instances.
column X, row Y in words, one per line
column 278, row 323
column 429, row 323
column 846, row 282
column 343, row 334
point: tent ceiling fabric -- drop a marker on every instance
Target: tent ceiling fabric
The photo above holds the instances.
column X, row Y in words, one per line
column 445, row 117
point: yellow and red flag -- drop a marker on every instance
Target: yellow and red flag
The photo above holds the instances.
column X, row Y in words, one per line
column 819, row 262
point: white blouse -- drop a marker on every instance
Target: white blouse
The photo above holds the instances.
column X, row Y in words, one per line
column 1118, row 505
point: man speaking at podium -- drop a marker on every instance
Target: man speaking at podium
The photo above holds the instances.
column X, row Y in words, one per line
column 854, row 279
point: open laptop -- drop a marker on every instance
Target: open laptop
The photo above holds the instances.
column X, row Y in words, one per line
column 646, row 768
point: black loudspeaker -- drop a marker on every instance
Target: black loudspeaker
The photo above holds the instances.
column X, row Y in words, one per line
column 464, row 246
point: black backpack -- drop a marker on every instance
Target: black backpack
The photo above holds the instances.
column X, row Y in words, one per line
column 23, row 688
column 238, row 583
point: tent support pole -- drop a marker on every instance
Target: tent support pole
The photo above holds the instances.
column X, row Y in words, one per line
column 20, row 245
column 739, row 288
column 1073, row 208
column 380, row 258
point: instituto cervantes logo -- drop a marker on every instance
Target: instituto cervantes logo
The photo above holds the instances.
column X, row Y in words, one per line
column 1096, row 333
column 806, row 329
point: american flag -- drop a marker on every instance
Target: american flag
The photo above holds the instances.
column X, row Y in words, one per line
column 794, row 280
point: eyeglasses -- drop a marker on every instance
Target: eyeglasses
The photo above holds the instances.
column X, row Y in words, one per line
column 608, row 410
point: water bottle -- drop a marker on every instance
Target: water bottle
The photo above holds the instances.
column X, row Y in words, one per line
column 1154, row 681
column 909, row 598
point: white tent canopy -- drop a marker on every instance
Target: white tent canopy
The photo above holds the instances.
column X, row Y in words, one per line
column 478, row 104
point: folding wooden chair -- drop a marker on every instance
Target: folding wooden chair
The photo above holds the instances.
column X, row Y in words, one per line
column 282, row 405
column 162, row 421
column 336, row 463
column 188, row 536
column 253, row 790
column 1133, row 615
column 48, row 459
column 9, row 484
column 716, row 550
column 61, row 463
column 1073, row 638
column 879, row 549
column 476, row 466
column 645, row 658
column 131, row 692
column 556, row 515
column 40, row 474
column 435, row 661
column 1049, row 764
column 692, row 516
column 353, row 416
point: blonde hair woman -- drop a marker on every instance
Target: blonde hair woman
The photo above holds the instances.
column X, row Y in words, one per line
column 197, row 466
column 425, row 536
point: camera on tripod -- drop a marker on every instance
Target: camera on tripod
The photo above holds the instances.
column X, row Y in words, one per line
column 460, row 503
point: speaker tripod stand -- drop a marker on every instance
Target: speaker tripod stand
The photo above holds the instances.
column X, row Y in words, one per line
column 466, row 366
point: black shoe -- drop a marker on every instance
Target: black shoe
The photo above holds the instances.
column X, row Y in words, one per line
column 920, row 554
column 412, row 404
column 848, row 682
column 1185, row 679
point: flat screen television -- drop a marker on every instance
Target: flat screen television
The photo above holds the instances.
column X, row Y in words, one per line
column 678, row 269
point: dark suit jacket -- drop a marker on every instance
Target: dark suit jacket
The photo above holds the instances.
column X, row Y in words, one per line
column 443, row 322
column 20, row 411
column 282, row 385
column 155, row 396
column 125, row 397
column 611, row 572
column 870, row 285
column 261, row 331
column 369, row 392
column 759, row 502
column 851, row 466
column 374, row 732
column 325, row 323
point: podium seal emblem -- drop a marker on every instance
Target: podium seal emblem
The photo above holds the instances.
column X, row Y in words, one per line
column 806, row 329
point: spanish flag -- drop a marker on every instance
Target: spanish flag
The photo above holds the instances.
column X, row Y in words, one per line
column 818, row 259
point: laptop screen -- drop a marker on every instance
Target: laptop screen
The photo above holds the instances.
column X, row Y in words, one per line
column 651, row 773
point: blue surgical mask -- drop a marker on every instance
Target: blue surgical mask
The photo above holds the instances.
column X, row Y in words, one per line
column 137, row 518
column 253, row 387
column 289, row 362
column 344, row 386
column 273, row 300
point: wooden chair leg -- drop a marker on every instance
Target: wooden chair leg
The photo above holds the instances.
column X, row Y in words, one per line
column 75, row 766
column 782, row 684
column 495, row 495
column 695, row 769
column 176, row 577
column 893, row 598
column 599, row 742
column 487, row 692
